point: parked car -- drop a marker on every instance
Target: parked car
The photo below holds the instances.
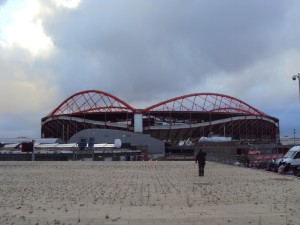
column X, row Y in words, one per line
column 292, row 156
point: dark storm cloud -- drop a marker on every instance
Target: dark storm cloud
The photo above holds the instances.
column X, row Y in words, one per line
column 157, row 48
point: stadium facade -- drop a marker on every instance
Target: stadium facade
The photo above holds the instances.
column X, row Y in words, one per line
column 186, row 117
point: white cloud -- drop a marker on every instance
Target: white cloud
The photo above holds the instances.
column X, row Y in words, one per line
column 24, row 29
column 24, row 88
column 67, row 3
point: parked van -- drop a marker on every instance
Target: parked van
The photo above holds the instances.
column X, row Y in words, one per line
column 292, row 156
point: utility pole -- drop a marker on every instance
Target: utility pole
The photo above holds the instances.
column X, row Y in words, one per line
column 33, row 156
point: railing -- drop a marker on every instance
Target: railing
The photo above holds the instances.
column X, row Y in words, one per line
column 221, row 158
column 265, row 157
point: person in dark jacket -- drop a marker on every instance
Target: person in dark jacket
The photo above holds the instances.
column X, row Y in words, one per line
column 200, row 158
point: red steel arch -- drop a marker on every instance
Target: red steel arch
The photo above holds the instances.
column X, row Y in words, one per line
column 205, row 102
column 91, row 101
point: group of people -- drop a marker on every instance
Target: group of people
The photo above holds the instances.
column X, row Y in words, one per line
column 283, row 168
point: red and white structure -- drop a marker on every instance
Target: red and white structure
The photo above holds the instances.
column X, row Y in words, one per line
column 185, row 117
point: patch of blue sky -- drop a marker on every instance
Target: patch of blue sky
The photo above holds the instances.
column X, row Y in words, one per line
column 7, row 14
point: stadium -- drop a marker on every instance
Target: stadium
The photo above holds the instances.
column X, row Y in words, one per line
column 178, row 121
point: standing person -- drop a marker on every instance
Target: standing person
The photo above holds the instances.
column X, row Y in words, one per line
column 200, row 158
column 281, row 168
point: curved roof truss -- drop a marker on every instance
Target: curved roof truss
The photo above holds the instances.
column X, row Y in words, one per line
column 98, row 101
column 91, row 101
column 205, row 102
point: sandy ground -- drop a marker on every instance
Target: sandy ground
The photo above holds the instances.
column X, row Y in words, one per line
column 142, row 193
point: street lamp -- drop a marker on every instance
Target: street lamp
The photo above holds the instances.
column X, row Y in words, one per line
column 294, row 136
column 202, row 128
column 294, row 77
column 202, row 121
column 211, row 133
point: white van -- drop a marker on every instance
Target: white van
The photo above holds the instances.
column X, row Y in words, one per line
column 292, row 156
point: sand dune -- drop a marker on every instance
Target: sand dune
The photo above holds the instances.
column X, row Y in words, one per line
column 144, row 193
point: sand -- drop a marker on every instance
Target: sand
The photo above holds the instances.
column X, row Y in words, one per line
column 142, row 193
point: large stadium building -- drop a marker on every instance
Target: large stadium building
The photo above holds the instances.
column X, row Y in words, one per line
column 184, row 118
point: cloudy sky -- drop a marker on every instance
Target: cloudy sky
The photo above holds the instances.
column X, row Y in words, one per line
column 145, row 52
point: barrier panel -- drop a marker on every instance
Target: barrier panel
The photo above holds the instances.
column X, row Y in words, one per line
column 265, row 157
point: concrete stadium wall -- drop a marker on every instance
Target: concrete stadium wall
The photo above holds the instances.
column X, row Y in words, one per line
column 155, row 147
